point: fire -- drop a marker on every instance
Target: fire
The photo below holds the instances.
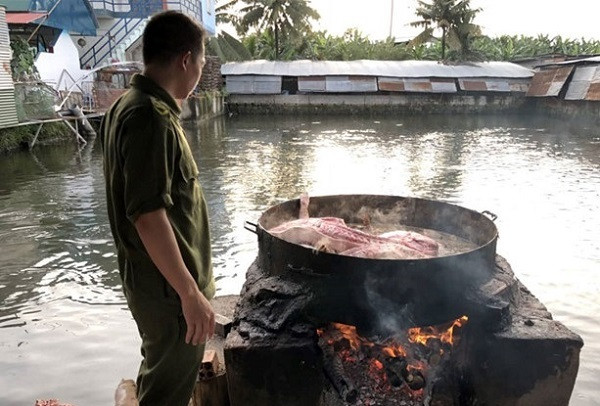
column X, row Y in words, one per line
column 399, row 366
column 350, row 334
column 421, row 335
column 394, row 351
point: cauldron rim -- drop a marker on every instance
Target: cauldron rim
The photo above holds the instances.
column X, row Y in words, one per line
column 491, row 239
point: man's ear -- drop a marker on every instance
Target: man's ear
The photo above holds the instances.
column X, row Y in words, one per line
column 186, row 59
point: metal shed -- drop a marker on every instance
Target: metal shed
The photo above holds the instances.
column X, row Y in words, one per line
column 585, row 84
column 427, row 85
column 549, row 82
column 371, row 76
column 253, row 84
column 580, row 78
column 8, row 110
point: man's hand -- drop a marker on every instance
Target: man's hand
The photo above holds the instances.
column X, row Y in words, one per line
column 199, row 317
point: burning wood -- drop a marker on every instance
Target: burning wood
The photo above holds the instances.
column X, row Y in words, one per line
column 334, row 370
column 398, row 367
column 331, row 234
column 415, row 379
column 395, row 369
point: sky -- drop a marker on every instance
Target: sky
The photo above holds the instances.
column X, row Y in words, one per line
column 573, row 19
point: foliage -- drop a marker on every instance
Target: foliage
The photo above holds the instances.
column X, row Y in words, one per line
column 460, row 40
column 281, row 20
column 18, row 137
column 509, row 48
column 224, row 12
column 455, row 19
column 228, row 48
column 353, row 45
column 22, row 62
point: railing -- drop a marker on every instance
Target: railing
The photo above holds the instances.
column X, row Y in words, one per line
column 132, row 13
column 145, row 8
column 75, row 91
column 128, row 8
column 106, row 44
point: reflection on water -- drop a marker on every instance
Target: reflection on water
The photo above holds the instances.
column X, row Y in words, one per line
column 64, row 328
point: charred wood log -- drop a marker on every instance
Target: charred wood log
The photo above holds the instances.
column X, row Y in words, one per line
column 397, row 371
column 334, row 370
column 415, row 379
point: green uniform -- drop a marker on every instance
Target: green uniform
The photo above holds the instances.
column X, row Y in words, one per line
column 148, row 165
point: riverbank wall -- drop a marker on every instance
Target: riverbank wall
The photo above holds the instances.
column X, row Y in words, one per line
column 203, row 106
column 376, row 104
column 566, row 109
column 413, row 104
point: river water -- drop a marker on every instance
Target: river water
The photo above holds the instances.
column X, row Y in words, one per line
column 65, row 331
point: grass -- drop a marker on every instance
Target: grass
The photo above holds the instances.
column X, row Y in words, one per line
column 14, row 138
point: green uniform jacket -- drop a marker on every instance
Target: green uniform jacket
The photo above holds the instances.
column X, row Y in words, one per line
column 148, row 165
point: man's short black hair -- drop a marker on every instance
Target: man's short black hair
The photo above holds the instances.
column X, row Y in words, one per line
column 170, row 34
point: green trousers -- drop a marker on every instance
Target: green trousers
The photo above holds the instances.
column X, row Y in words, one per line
column 169, row 368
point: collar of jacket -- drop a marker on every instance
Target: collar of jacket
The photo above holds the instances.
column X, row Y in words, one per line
column 147, row 85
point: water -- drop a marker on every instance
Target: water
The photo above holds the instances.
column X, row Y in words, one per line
column 65, row 331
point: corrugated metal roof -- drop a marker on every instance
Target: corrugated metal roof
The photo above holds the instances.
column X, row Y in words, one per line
column 444, row 85
column 407, row 69
column 549, row 82
column 345, row 84
column 592, row 59
column 585, row 84
column 23, row 18
column 494, row 85
column 8, row 110
column 5, row 54
column 311, row 84
column 247, row 84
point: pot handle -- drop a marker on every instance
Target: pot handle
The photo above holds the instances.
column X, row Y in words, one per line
column 305, row 271
column 490, row 215
column 248, row 225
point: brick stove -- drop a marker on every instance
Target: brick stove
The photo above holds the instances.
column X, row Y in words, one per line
column 314, row 329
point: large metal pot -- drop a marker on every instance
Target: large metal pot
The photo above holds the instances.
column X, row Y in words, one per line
column 413, row 291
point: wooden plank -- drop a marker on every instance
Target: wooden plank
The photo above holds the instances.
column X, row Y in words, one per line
column 211, row 392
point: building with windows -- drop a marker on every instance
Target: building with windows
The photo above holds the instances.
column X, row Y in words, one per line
column 73, row 37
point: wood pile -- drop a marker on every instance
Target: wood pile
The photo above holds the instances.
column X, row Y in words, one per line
column 211, row 79
column 211, row 387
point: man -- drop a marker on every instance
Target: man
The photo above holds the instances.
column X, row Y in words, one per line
column 157, row 212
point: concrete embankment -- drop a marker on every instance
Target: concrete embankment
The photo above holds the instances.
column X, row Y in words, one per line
column 375, row 104
column 413, row 104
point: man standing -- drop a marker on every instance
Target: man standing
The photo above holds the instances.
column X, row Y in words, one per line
column 157, row 212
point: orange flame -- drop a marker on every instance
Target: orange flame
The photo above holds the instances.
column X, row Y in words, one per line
column 350, row 334
column 422, row 334
column 394, row 351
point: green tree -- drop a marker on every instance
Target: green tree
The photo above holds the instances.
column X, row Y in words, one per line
column 23, row 59
column 454, row 18
column 225, row 12
column 280, row 18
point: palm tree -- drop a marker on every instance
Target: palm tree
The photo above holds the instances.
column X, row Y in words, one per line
column 279, row 17
column 223, row 12
column 453, row 17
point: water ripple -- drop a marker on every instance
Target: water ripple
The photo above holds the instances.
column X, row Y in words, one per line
column 59, row 285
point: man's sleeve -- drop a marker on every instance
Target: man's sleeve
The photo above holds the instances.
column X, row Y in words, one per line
column 148, row 157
